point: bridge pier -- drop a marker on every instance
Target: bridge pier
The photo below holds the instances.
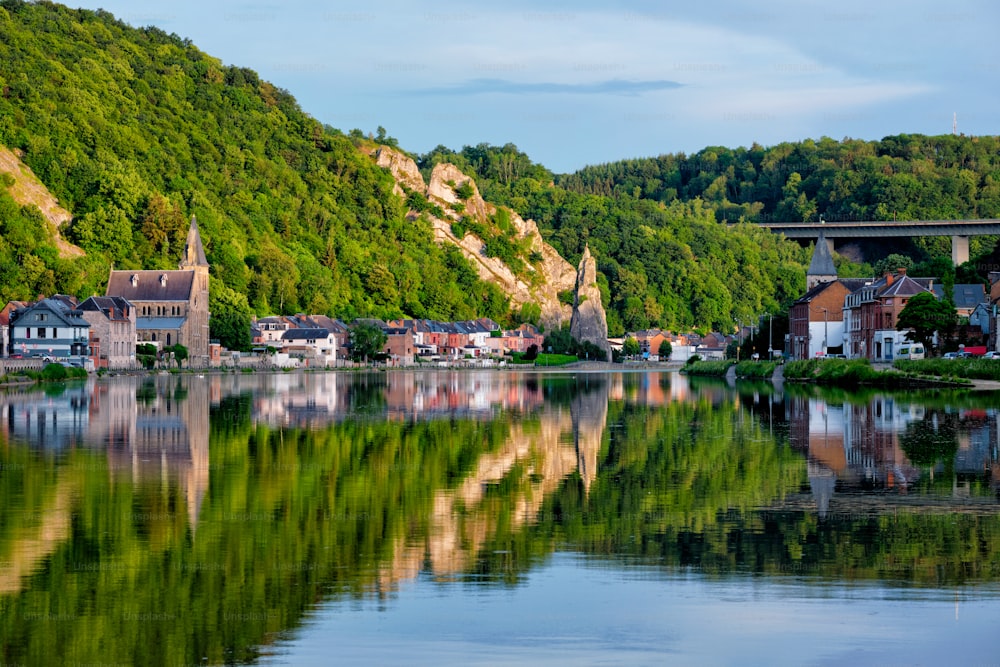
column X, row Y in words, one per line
column 959, row 250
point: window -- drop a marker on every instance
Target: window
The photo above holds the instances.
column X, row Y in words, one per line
column 41, row 332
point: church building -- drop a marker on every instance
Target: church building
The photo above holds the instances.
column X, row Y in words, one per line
column 171, row 307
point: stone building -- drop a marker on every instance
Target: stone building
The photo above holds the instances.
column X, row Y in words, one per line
column 112, row 331
column 171, row 306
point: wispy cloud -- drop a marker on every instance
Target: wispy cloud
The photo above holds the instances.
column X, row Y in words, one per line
column 503, row 86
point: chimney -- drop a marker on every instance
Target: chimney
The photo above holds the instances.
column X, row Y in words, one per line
column 888, row 279
column 901, row 271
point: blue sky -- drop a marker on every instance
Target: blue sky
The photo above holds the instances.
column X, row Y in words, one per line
column 587, row 82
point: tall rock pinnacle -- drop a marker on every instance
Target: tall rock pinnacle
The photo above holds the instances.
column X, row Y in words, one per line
column 589, row 322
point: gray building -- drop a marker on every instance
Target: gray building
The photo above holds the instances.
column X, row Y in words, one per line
column 50, row 328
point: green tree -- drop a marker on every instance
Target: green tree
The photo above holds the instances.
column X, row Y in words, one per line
column 923, row 315
column 666, row 349
column 631, row 346
column 891, row 263
column 231, row 318
column 367, row 341
column 178, row 352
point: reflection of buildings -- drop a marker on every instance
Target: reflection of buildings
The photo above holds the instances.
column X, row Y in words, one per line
column 858, row 447
column 152, row 428
column 313, row 399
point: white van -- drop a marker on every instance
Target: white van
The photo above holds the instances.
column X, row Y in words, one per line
column 911, row 351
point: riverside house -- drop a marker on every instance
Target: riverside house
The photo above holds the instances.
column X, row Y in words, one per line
column 51, row 328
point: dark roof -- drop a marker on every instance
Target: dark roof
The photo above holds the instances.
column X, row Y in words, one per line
column 903, row 286
column 854, row 284
column 815, row 291
column 822, row 260
column 58, row 308
column 107, row 305
column 149, row 285
column 303, row 334
column 964, row 296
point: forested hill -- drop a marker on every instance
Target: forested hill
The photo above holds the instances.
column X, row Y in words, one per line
column 912, row 177
column 135, row 130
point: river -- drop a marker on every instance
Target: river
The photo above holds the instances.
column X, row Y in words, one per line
column 495, row 517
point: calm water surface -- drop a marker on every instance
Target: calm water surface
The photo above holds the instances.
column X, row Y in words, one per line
column 495, row 518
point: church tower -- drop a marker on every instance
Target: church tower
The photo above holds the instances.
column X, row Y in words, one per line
column 821, row 268
column 194, row 260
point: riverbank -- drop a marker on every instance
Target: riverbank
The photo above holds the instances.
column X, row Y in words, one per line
column 844, row 373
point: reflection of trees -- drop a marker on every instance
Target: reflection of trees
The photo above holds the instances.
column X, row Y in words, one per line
column 294, row 516
column 932, row 439
column 291, row 516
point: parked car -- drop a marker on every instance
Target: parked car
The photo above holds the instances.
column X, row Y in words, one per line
column 952, row 355
column 991, row 355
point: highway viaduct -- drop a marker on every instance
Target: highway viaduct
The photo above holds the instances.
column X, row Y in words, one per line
column 958, row 230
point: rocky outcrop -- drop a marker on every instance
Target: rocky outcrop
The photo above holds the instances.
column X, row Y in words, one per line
column 28, row 190
column 544, row 279
column 589, row 322
column 403, row 169
column 445, row 180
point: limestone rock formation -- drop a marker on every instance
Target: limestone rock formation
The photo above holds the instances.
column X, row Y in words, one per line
column 589, row 322
column 544, row 279
column 403, row 169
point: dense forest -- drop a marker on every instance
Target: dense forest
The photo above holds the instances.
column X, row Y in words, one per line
column 135, row 130
column 904, row 177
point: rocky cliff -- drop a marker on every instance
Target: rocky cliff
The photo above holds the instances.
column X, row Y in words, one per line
column 28, row 190
column 542, row 280
column 589, row 322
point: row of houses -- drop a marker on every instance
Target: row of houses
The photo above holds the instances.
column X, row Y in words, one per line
column 857, row 317
column 97, row 333
column 319, row 340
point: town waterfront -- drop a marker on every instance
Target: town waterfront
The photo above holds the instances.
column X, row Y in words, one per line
column 485, row 517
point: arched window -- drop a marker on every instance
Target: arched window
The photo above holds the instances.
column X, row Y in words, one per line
column 168, row 340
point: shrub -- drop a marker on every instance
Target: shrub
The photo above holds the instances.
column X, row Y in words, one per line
column 756, row 369
column 714, row 368
column 54, row 373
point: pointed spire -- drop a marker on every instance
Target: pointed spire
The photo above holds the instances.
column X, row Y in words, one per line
column 194, row 251
column 821, row 268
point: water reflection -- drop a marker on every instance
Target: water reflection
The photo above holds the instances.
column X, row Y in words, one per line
column 198, row 519
column 863, row 455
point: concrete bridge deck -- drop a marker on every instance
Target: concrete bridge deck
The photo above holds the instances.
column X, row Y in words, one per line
column 958, row 230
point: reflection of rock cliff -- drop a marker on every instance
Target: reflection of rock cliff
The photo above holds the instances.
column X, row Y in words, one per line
column 540, row 282
column 541, row 455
